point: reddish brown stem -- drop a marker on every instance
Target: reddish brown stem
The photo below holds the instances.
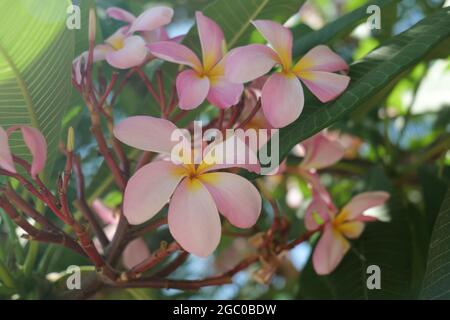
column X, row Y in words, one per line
column 84, row 208
column 251, row 115
column 36, row 234
column 26, row 208
column 162, row 99
column 173, row 266
column 153, row 260
column 148, row 85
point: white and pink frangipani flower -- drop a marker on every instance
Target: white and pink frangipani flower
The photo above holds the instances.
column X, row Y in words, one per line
column 282, row 95
column 135, row 252
column 206, row 79
column 197, row 193
column 35, row 142
column 338, row 227
column 124, row 49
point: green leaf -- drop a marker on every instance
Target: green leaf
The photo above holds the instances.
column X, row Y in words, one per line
column 436, row 284
column 36, row 51
column 372, row 78
column 338, row 28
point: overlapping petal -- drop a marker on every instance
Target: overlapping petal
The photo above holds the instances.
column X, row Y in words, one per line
column 152, row 19
column 317, row 212
column 120, row 14
column 321, row 58
column 232, row 152
column 324, row 85
column 132, row 54
column 282, row 99
column 321, row 152
column 247, row 63
column 279, row 37
column 330, row 250
column 363, row 201
column 223, row 93
column 192, row 89
column 176, row 53
column 211, row 39
column 146, row 133
column 149, row 189
column 193, row 218
column 235, row 197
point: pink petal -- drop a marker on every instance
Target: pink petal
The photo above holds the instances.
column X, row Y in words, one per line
column 235, row 197
column 37, row 145
column 352, row 229
column 134, row 253
column 321, row 152
column 6, row 160
column 159, row 34
column 330, row 250
column 192, row 89
column 247, row 63
column 363, row 201
column 318, row 206
column 232, row 152
column 103, row 212
column 318, row 189
column 211, row 39
column 279, row 37
column 100, row 52
column 321, row 58
column 131, row 55
column 176, row 53
column 149, row 189
column 193, row 218
column 224, row 94
column 282, row 99
column 152, row 19
column 146, row 133
column 324, row 85
column 120, row 14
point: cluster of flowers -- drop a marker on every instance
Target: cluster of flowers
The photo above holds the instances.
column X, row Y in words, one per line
column 219, row 76
column 197, row 193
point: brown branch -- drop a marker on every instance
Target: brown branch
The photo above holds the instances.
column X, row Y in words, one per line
column 173, row 266
column 153, row 260
column 251, row 115
column 36, row 234
column 146, row 228
column 162, row 99
column 81, row 204
column 106, row 153
column 148, row 85
column 118, row 244
column 84, row 239
column 26, row 208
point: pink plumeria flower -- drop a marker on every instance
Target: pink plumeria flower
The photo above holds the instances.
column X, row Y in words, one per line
column 282, row 95
column 206, row 79
column 35, row 142
column 319, row 151
column 135, row 252
column 124, row 49
column 196, row 192
column 338, row 227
